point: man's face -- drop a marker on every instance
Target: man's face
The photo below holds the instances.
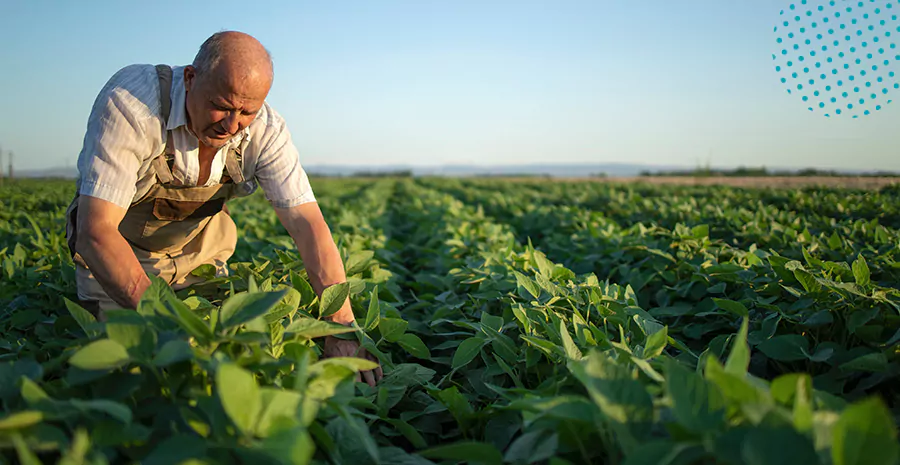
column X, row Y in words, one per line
column 222, row 103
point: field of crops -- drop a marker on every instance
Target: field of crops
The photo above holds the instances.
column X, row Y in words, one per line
column 516, row 322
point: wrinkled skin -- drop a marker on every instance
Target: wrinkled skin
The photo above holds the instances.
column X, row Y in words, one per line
column 226, row 99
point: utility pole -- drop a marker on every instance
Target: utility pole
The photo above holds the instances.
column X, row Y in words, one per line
column 1, row 166
column 11, row 175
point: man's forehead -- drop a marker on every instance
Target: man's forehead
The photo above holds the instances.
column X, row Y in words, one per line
column 245, row 90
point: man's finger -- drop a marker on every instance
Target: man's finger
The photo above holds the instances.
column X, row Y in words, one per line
column 358, row 379
column 370, row 378
column 379, row 373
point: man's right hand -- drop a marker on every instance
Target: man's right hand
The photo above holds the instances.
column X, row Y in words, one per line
column 107, row 254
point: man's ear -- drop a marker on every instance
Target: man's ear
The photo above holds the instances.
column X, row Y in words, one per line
column 190, row 73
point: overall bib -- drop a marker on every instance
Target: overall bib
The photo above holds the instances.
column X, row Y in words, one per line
column 172, row 229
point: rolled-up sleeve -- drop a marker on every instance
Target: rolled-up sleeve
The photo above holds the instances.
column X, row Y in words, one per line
column 116, row 139
column 278, row 169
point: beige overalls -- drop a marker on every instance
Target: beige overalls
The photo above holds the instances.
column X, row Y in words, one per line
column 172, row 229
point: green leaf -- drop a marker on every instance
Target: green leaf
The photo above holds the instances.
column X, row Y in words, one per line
column 803, row 408
column 20, row 420
column 358, row 261
column 875, row 362
column 374, row 314
column 467, row 351
column 176, row 449
column 533, row 446
column 207, row 271
column 656, row 343
column 84, row 318
column 466, row 451
column 114, row 409
column 777, row 446
column 784, row 387
column 697, row 406
column 412, row 344
column 732, row 306
column 239, row 395
column 859, row 318
column 25, row 454
column 624, row 402
column 352, row 363
column 569, row 346
column 739, row 358
column 809, row 282
column 393, row 328
column 409, row 432
column 102, row 354
column 785, row 348
column 138, row 339
column 528, row 284
column 861, row 271
column 700, row 231
column 834, row 242
column 244, row 307
column 173, row 351
column 190, row 322
column 32, row 393
column 865, row 434
column 289, row 446
column 307, row 293
column 659, row 452
column 493, row 322
column 311, row 328
column 153, row 297
column 736, row 388
column 333, row 298
column 274, row 404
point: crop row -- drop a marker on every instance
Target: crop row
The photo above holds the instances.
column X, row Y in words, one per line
column 593, row 343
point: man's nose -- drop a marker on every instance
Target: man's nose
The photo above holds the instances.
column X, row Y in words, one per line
column 232, row 122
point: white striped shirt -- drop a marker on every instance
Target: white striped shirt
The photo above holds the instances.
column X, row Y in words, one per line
column 126, row 131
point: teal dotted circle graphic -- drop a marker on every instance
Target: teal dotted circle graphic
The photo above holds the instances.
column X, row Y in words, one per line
column 839, row 57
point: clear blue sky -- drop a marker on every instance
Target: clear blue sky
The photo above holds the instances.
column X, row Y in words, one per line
column 427, row 82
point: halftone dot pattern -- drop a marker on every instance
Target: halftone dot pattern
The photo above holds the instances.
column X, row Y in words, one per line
column 840, row 57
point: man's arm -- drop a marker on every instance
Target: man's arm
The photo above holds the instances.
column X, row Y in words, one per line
column 325, row 268
column 320, row 255
column 107, row 253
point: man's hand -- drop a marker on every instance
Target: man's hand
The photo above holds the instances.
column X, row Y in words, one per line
column 335, row 347
column 325, row 268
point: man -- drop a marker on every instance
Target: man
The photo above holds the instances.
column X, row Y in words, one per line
column 165, row 148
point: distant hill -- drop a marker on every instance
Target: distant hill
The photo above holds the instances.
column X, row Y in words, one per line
column 59, row 172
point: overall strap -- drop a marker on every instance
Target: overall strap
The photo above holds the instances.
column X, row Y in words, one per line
column 233, row 165
column 164, row 74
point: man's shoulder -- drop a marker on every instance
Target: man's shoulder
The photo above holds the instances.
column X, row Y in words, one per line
column 136, row 86
column 133, row 76
column 268, row 124
column 268, row 117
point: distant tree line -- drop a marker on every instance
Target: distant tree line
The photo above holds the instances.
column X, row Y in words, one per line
column 743, row 171
column 365, row 174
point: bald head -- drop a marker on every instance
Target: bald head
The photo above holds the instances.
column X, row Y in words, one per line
column 226, row 85
column 232, row 51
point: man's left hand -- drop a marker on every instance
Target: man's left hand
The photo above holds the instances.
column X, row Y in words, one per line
column 335, row 347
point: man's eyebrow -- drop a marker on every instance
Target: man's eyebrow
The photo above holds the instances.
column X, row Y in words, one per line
column 222, row 103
